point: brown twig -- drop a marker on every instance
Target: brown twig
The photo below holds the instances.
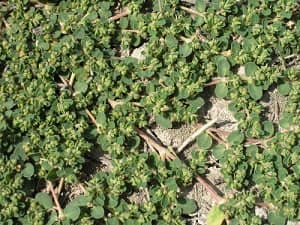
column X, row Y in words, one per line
column 92, row 118
column 189, row 1
column 82, row 188
column 120, row 15
column 60, row 186
column 162, row 151
column 214, row 82
column 186, row 40
column 291, row 56
column 72, row 78
column 195, row 134
column 114, row 103
column 64, row 80
column 132, row 31
column 219, row 140
column 248, row 141
column 189, row 10
column 166, row 154
column 216, row 194
column 264, row 204
column 58, row 207
column 6, row 24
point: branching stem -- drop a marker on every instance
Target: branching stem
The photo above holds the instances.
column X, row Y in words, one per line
column 57, row 204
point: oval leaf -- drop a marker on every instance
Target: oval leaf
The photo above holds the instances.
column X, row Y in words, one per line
column 72, row 212
column 235, row 138
column 256, row 92
column 221, row 90
column 215, row 216
column 171, row 41
column 223, row 66
column 196, row 104
column 276, row 219
column 284, row 89
column 204, row 141
column 163, row 122
column 28, row 171
column 80, row 86
column 185, row 50
column 268, row 128
column 97, row 212
column 286, row 120
column 250, row 68
column 44, row 199
column 218, row 151
column 188, row 206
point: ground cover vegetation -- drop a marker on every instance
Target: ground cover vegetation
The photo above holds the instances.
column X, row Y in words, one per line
column 67, row 87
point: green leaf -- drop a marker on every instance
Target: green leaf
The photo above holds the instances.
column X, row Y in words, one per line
column 204, row 141
column 44, row 199
column 72, row 212
column 81, row 200
column 256, row 92
column 113, row 201
column 123, row 22
column 101, row 118
column 215, row 216
column 146, row 73
column 187, row 205
column 286, row 120
column 28, row 171
column 235, row 138
column 171, row 184
column 113, row 221
column 276, row 219
column 218, row 151
column 200, row 5
column 268, row 128
column 221, row 90
column 284, row 89
column 52, row 219
column 163, row 122
column 171, row 41
column 249, row 44
column 250, row 68
column 132, row 222
column 251, row 151
column 223, row 66
column 97, row 212
column 185, row 50
column 80, row 86
column 161, row 222
column 196, row 104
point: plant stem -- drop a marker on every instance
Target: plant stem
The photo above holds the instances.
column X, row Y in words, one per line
column 163, row 151
column 59, row 209
column 120, row 15
column 60, row 186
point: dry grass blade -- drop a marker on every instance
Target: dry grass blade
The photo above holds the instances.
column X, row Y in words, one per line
column 192, row 11
column 195, row 134
column 60, row 186
column 92, row 118
column 72, row 78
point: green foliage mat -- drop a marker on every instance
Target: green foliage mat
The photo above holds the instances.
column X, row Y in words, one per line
column 62, row 65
